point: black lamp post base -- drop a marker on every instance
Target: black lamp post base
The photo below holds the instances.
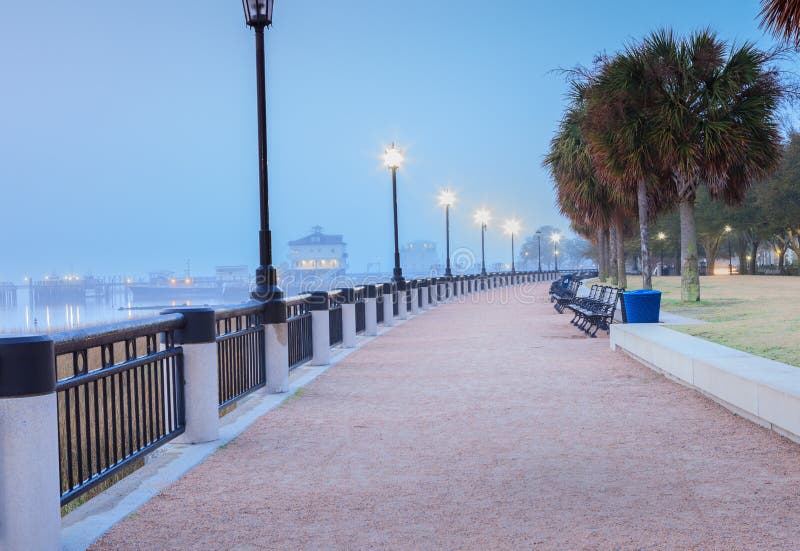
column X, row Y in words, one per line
column 448, row 273
column 398, row 277
column 266, row 285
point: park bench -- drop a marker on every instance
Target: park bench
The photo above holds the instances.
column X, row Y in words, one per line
column 564, row 293
column 596, row 310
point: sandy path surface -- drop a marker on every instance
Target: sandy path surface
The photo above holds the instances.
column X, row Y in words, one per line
column 485, row 426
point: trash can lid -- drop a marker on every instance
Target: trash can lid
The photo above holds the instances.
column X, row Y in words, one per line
column 643, row 292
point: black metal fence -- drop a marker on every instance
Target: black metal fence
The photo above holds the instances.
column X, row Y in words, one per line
column 361, row 310
column 240, row 351
column 119, row 395
column 299, row 327
column 335, row 318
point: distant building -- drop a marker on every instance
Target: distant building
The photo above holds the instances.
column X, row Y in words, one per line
column 419, row 258
column 318, row 251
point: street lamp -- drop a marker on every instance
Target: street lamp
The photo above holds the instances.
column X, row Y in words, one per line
column 539, row 239
column 393, row 159
column 728, row 231
column 661, row 237
column 510, row 228
column 482, row 217
column 446, row 199
column 258, row 15
column 555, row 237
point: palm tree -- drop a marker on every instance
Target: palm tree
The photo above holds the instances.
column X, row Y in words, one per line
column 782, row 17
column 582, row 195
column 713, row 109
column 618, row 134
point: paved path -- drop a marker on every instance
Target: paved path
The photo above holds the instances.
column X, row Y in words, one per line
column 485, row 426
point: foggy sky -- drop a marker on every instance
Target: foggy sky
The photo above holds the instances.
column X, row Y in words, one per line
column 128, row 137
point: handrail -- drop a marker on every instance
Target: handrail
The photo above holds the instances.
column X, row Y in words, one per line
column 91, row 337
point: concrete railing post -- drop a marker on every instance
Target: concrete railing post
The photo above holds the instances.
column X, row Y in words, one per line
column 423, row 289
column 319, row 305
column 198, row 337
column 348, row 317
column 402, row 300
column 30, row 508
column 450, row 289
column 370, row 310
column 388, row 305
column 414, row 300
column 276, row 341
column 432, row 290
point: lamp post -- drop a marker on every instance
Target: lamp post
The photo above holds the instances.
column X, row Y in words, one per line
column 393, row 159
column 661, row 237
column 539, row 239
column 482, row 217
column 728, row 231
column 555, row 237
column 258, row 15
column 510, row 228
column 446, row 198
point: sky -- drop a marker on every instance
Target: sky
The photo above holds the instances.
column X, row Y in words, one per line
column 128, row 130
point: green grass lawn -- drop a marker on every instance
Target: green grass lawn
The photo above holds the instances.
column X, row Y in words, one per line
column 757, row 314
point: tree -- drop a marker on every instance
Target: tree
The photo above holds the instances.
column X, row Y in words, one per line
column 782, row 17
column 619, row 137
column 582, row 194
column 713, row 112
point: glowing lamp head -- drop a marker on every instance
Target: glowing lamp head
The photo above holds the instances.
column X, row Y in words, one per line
column 555, row 237
column 482, row 217
column 728, row 229
column 447, row 197
column 187, row 281
column 258, row 13
column 393, row 157
column 661, row 236
column 511, row 226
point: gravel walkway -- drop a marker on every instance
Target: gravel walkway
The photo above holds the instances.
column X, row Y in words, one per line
column 485, row 426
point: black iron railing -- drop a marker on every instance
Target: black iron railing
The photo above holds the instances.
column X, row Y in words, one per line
column 300, row 336
column 119, row 395
column 240, row 351
column 335, row 317
column 361, row 310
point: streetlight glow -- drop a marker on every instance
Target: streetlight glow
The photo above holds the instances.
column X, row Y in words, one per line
column 728, row 229
column 555, row 237
column 482, row 217
column 393, row 157
column 511, row 226
column 447, row 197
column 661, row 236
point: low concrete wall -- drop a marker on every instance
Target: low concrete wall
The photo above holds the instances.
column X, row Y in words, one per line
column 764, row 391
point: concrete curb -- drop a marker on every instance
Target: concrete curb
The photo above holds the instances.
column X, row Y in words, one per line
column 761, row 390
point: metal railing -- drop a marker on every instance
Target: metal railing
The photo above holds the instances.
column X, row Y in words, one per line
column 299, row 329
column 119, row 394
column 240, row 351
column 335, row 318
column 361, row 310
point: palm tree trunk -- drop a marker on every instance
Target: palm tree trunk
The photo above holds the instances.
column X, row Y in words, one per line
column 644, row 234
column 690, row 276
column 602, row 261
column 711, row 255
column 622, row 279
column 613, row 238
column 754, row 253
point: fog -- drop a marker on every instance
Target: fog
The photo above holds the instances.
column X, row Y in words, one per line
column 128, row 137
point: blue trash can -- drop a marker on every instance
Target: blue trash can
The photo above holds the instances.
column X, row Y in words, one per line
column 642, row 306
